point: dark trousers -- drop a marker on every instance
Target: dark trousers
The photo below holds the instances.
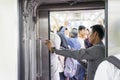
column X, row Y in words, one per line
column 80, row 74
column 62, row 76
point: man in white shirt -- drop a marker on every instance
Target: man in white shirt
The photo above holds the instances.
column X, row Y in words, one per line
column 81, row 35
column 107, row 71
column 57, row 63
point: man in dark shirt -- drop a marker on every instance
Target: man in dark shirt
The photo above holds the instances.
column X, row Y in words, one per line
column 94, row 54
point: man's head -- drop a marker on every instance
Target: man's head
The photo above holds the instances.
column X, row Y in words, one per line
column 81, row 30
column 74, row 33
column 97, row 34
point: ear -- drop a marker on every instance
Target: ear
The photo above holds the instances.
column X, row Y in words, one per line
column 95, row 33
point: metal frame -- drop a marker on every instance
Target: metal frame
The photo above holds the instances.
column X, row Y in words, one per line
column 106, row 24
column 21, row 68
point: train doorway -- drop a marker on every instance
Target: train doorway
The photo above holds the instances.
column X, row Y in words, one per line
column 37, row 25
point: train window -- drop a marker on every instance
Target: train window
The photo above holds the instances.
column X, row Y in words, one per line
column 66, row 24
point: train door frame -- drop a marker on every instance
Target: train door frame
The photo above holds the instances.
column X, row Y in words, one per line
column 21, row 57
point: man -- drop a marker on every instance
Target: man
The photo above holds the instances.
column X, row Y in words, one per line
column 56, row 65
column 63, row 36
column 81, row 35
column 73, row 69
column 94, row 54
column 107, row 71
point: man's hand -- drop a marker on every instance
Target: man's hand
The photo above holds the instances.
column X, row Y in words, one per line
column 49, row 45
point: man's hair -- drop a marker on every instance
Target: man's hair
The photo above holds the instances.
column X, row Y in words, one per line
column 99, row 29
column 87, row 29
column 61, row 27
column 81, row 27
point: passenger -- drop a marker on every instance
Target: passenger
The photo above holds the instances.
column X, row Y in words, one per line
column 106, row 70
column 73, row 40
column 87, row 43
column 71, row 64
column 81, row 38
column 56, row 66
column 81, row 35
column 75, row 45
column 94, row 54
column 63, row 34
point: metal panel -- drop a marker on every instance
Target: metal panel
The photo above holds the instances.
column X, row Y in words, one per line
column 42, row 52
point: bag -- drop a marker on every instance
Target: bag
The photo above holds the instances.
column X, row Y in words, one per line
column 115, row 61
column 70, row 67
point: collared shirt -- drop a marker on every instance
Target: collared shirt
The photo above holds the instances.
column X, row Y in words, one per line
column 107, row 71
column 94, row 55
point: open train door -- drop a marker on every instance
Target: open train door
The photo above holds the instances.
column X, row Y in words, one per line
column 34, row 29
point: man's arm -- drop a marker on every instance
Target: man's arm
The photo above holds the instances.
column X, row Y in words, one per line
column 89, row 54
column 70, row 53
column 93, row 52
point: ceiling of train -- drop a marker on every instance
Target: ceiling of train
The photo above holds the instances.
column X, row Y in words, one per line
column 81, row 14
column 75, row 18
